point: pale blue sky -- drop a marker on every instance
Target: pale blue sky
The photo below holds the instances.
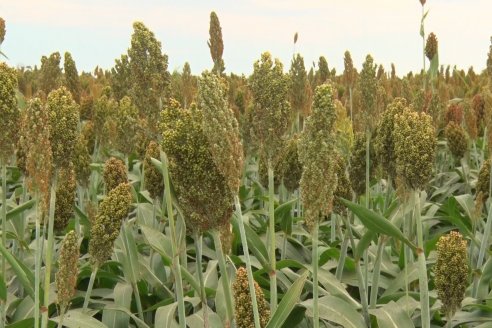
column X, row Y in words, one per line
column 98, row 31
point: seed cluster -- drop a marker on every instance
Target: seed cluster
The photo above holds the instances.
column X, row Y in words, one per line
column 114, row 173
column 65, row 196
column 66, row 277
column 451, row 271
column 457, row 140
column 242, row 302
column 9, row 113
column 153, row 178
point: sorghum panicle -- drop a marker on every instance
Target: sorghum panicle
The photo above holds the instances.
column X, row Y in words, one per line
column 316, row 153
column 457, row 140
column 344, row 188
column 357, row 169
column 451, row 271
column 2, row 30
column 66, row 277
column 221, row 129
column 64, row 120
column 82, row 161
column 431, row 46
column 106, row 225
column 154, row 182
column 384, row 142
column 9, row 113
column 415, row 148
column 202, row 190
column 114, row 173
column 289, row 167
column 65, row 196
column 242, row 302
column 483, row 182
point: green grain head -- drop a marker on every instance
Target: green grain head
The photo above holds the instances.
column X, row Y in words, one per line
column 202, row 190
column 64, row 120
column 126, row 124
column 384, row 141
column 66, row 277
column 221, row 129
column 457, row 140
column 115, row 172
column 82, row 161
column 415, row 148
column 357, row 170
column 344, row 187
column 289, row 167
column 65, row 196
column 106, row 225
column 9, row 113
column 153, row 177
column 451, row 271
column 431, row 46
column 242, row 302
column 316, row 153
column 483, row 182
column 271, row 109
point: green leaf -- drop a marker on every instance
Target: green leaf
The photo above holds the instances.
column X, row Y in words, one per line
column 77, row 319
column 255, row 244
column 335, row 310
column 165, row 316
column 364, row 243
column 283, row 215
column 131, row 266
column 377, row 223
column 196, row 320
column 29, row 323
column 289, row 301
column 22, row 273
column 19, row 209
column 391, row 315
column 3, row 289
column 122, row 297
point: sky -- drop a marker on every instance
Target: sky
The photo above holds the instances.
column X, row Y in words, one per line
column 97, row 32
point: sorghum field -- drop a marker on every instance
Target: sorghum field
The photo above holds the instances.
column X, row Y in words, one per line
column 136, row 197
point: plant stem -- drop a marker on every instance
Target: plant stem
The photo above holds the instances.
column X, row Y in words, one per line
column 368, row 203
column 225, row 277
column 37, row 265
column 362, row 288
column 315, row 276
column 89, row 289
column 138, row 301
column 172, row 227
column 375, row 273
column 3, row 306
column 49, row 252
column 244, row 242
column 423, row 284
column 203, row 295
column 271, row 220
column 62, row 315
column 343, row 255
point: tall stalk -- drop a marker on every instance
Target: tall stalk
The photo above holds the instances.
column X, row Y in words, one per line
column 423, row 284
column 172, row 227
column 225, row 277
column 376, row 272
column 37, row 265
column 49, row 252
column 89, row 288
column 203, row 295
column 3, row 305
column 244, row 242
column 315, row 276
column 271, row 221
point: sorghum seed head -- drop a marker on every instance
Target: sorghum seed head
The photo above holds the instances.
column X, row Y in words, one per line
column 384, row 142
column 66, row 277
column 289, row 167
column 271, row 109
column 65, row 196
column 483, row 182
column 431, row 46
column 316, row 148
column 2, row 30
column 9, row 112
column 114, row 173
column 357, row 169
column 36, row 144
column 451, row 271
column 242, row 302
column 344, row 188
column 153, row 178
column 454, row 113
column 226, row 237
column 64, row 120
column 201, row 189
column 221, row 129
column 87, row 132
column 82, row 161
column 471, row 121
column 106, row 226
column 457, row 140
column 415, row 148
column 126, row 124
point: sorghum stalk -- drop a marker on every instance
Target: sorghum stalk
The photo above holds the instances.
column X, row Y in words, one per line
column 199, row 268
column 423, row 284
column 244, row 242
column 172, row 227
column 271, row 229
column 225, row 277
column 315, row 275
column 376, row 272
column 3, row 307
column 89, row 288
column 37, row 264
